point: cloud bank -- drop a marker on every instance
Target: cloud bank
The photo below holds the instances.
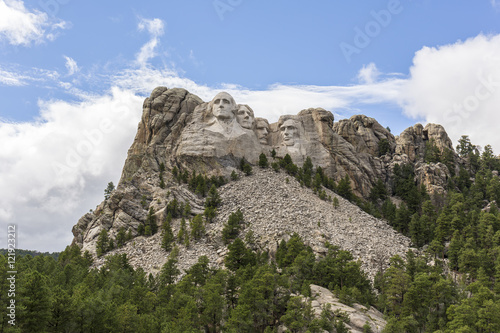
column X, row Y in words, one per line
column 458, row 86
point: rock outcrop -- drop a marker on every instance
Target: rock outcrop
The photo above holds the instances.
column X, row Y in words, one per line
column 180, row 131
column 273, row 209
column 359, row 315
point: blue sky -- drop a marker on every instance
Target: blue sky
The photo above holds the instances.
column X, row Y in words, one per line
column 66, row 66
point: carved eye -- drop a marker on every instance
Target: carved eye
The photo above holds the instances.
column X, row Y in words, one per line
column 217, row 101
column 225, row 101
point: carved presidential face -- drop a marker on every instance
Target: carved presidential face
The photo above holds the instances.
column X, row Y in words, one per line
column 289, row 132
column 223, row 106
column 262, row 130
column 245, row 117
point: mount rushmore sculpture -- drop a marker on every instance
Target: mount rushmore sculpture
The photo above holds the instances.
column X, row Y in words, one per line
column 179, row 129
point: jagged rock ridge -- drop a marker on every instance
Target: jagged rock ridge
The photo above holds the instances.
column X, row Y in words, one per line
column 179, row 130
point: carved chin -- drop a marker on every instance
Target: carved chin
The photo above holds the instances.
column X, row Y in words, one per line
column 263, row 141
column 288, row 142
column 246, row 125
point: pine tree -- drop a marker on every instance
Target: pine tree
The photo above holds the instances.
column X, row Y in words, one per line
column 213, row 198
column 109, row 190
column 151, row 223
column 232, row 227
column 263, row 161
column 336, row 203
column 168, row 235
column 197, row 227
column 383, row 147
column 140, row 229
column 102, row 243
column 182, row 234
column 209, row 214
column 121, row 237
column 129, row 235
column 238, row 255
column 344, row 188
column 35, row 295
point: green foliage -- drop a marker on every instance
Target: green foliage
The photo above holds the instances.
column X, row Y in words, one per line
column 140, row 229
column 432, row 153
column 102, row 245
column 182, row 234
column 151, row 227
column 238, row 255
column 246, row 167
column 384, row 147
column 234, row 176
column 344, row 188
column 336, row 203
column 173, row 208
column 263, row 163
column 379, row 191
column 299, row 315
column 109, row 189
column 209, row 214
column 232, row 227
column 168, row 235
column 197, row 227
column 36, row 302
column 121, row 237
column 253, row 294
column 213, row 198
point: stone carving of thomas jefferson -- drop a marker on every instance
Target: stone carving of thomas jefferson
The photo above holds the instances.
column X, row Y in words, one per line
column 262, row 130
column 245, row 116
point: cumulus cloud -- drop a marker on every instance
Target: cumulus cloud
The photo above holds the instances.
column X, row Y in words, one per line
column 368, row 74
column 53, row 169
column 71, row 65
column 19, row 26
column 155, row 28
column 458, row 86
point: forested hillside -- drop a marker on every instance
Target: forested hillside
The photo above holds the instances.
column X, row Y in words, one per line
column 450, row 284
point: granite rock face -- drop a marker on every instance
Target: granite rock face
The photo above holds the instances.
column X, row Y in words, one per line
column 358, row 314
column 179, row 130
column 273, row 209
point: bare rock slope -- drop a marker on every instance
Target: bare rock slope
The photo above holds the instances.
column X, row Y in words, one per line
column 274, row 208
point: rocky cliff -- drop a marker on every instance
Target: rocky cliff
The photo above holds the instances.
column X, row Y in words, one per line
column 179, row 131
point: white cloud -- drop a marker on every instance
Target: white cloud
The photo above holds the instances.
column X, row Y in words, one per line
column 495, row 3
column 71, row 65
column 19, row 26
column 368, row 74
column 155, row 28
column 11, row 78
column 53, row 169
column 458, row 86
column 273, row 102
